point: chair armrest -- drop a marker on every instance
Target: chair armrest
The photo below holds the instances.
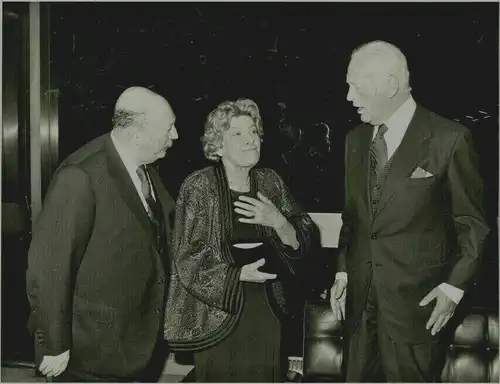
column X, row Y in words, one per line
column 323, row 343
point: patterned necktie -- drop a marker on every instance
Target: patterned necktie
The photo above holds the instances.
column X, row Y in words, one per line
column 378, row 160
column 146, row 191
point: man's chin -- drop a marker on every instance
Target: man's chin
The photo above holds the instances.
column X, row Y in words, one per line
column 162, row 154
column 365, row 118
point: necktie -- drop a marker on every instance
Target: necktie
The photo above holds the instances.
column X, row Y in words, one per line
column 378, row 160
column 146, row 191
column 154, row 209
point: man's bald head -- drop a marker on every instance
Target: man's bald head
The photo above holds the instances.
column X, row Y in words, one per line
column 136, row 105
column 140, row 100
column 146, row 120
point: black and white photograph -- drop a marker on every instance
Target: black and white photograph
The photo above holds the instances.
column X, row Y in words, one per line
column 250, row 192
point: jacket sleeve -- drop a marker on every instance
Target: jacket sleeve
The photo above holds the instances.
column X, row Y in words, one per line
column 60, row 237
column 466, row 188
column 199, row 262
column 306, row 230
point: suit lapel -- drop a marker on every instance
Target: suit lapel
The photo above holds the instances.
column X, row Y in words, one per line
column 126, row 187
column 412, row 148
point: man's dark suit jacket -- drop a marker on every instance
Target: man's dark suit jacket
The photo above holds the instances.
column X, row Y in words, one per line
column 426, row 230
column 96, row 277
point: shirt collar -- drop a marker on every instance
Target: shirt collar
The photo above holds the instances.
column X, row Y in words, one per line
column 127, row 160
column 403, row 115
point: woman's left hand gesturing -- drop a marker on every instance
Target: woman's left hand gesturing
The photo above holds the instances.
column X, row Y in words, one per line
column 261, row 211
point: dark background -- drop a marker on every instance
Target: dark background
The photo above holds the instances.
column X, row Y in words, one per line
column 293, row 54
column 291, row 58
column 198, row 55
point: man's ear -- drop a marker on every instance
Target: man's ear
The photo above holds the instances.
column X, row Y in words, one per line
column 393, row 85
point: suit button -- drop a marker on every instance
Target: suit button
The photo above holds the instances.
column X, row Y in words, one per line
column 158, row 311
column 374, row 236
column 160, row 281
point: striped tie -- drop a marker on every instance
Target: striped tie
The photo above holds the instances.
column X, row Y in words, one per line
column 378, row 161
column 154, row 210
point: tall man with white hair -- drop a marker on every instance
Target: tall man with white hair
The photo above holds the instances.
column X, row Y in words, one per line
column 413, row 225
column 98, row 265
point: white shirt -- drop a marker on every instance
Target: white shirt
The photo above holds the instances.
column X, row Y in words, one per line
column 397, row 125
column 131, row 166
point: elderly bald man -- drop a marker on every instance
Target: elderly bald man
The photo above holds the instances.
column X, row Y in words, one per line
column 413, row 224
column 98, row 265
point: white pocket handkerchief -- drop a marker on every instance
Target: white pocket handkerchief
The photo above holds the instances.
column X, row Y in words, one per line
column 420, row 173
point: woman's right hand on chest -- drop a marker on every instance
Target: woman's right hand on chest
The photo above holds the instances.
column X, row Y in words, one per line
column 250, row 273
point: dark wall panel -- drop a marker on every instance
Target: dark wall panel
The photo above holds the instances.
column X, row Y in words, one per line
column 16, row 341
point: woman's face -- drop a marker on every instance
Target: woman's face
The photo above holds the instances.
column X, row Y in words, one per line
column 241, row 143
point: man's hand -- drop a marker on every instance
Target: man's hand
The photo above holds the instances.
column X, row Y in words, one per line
column 250, row 273
column 337, row 298
column 443, row 310
column 54, row 365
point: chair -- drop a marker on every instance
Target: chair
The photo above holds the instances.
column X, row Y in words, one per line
column 472, row 354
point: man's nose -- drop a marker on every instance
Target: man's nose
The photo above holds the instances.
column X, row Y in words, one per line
column 350, row 93
column 174, row 135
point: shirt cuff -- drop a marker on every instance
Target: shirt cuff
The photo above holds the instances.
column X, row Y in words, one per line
column 452, row 292
column 341, row 276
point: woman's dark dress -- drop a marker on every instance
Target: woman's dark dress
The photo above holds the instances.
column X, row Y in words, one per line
column 251, row 353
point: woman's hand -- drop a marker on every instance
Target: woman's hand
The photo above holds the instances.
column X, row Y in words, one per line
column 264, row 212
column 250, row 273
column 261, row 211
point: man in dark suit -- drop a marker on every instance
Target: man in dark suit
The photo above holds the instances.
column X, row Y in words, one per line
column 413, row 226
column 98, row 265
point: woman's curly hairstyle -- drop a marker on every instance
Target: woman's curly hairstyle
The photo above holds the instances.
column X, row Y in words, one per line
column 219, row 121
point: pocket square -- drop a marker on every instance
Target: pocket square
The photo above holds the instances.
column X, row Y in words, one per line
column 420, row 173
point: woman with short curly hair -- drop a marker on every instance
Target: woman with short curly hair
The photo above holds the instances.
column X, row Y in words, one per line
column 218, row 123
column 238, row 243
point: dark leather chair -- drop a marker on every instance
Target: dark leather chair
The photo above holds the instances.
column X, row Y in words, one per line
column 472, row 355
